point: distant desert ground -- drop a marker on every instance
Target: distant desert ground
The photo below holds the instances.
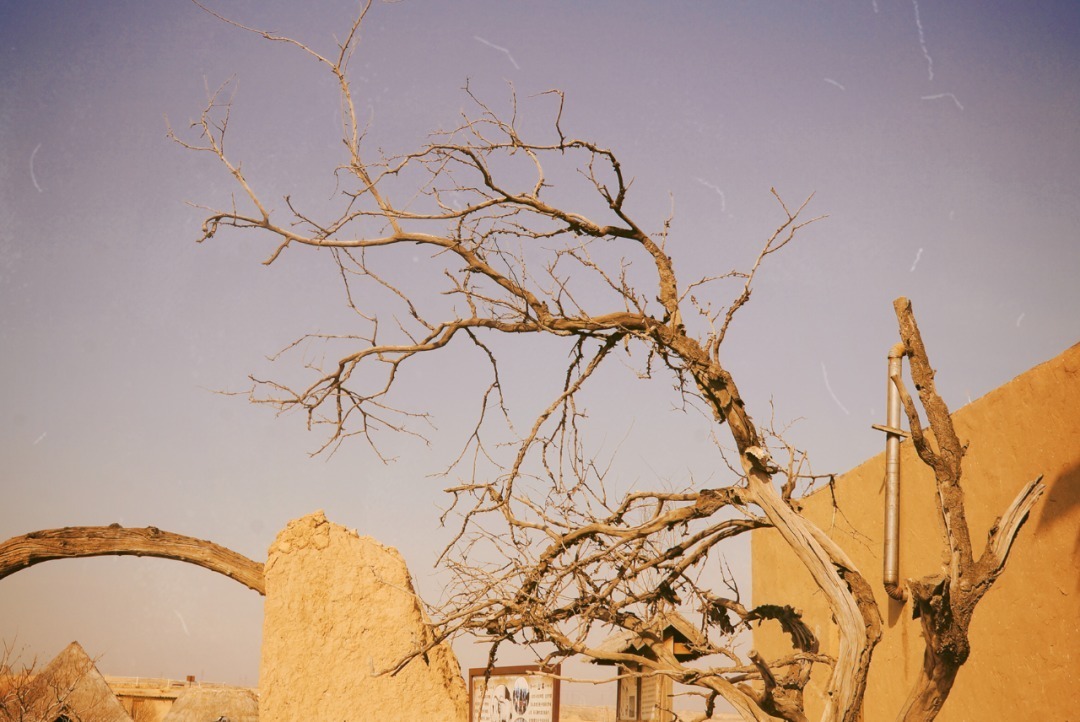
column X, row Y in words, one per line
column 583, row 713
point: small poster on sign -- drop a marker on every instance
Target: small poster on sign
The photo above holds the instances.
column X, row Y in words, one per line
column 628, row 699
column 514, row 694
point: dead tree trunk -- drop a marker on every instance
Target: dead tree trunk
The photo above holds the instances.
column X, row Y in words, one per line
column 70, row 542
column 944, row 602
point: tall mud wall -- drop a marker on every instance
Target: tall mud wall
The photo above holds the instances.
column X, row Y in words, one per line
column 1025, row 636
column 340, row 608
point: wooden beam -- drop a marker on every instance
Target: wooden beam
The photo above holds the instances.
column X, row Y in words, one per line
column 71, row 542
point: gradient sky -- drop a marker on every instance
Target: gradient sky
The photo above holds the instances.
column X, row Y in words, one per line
column 941, row 138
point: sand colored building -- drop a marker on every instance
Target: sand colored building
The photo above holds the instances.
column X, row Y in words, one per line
column 151, row 699
column 68, row 688
column 1025, row 636
column 215, row 704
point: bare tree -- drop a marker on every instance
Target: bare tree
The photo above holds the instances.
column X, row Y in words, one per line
column 15, row 678
column 69, row 689
column 945, row 601
column 544, row 552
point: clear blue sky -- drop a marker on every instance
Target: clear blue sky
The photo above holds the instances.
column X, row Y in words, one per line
column 942, row 140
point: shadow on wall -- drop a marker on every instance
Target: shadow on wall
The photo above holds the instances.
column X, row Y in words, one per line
column 1063, row 494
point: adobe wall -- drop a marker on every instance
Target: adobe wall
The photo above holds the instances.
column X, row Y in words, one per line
column 340, row 608
column 145, row 709
column 1025, row 635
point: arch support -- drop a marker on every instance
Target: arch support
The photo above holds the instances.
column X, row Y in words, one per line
column 71, row 542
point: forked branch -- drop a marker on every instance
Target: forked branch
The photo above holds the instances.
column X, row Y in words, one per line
column 545, row 553
column 945, row 601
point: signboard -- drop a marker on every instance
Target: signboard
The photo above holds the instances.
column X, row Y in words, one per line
column 627, row 708
column 641, row 699
column 514, row 694
column 651, row 692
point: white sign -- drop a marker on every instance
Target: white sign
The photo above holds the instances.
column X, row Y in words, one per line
column 628, row 698
column 514, row 694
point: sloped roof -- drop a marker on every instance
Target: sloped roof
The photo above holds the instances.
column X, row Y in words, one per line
column 662, row 625
column 215, row 704
column 71, row 686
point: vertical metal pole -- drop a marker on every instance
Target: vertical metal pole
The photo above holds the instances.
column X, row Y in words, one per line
column 891, row 576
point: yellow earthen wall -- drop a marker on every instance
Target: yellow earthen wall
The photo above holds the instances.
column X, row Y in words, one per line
column 1025, row 636
column 145, row 709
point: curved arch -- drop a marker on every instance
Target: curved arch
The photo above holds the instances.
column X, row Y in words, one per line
column 70, row 542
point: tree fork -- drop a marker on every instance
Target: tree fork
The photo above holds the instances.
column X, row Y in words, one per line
column 945, row 602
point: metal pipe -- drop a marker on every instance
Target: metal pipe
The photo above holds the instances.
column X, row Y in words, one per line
column 893, row 436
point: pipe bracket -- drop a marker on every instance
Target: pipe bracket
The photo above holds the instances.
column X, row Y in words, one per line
column 891, row 430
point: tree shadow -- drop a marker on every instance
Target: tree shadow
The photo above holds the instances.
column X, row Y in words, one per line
column 1062, row 505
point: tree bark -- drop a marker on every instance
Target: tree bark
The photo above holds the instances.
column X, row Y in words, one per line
column 945, row 602
column 25, row 551
column 947, row 648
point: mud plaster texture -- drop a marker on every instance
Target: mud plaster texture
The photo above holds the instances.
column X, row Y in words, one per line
column 340, row 607
column 1025, row 634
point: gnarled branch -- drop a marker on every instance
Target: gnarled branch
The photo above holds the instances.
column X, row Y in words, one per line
column 73, row 542
column 945, row 601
